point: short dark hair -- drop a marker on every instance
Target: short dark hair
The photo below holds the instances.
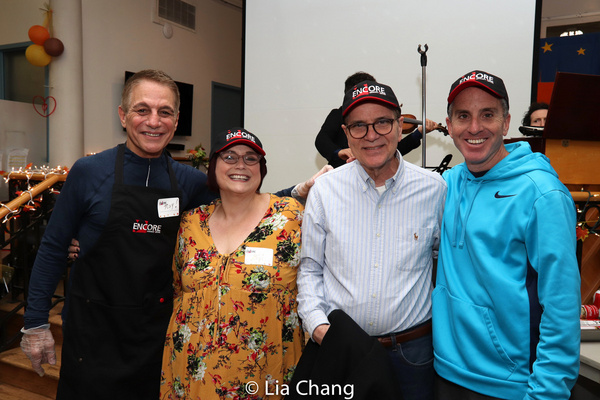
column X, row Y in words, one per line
column 355, row 78
column 211, row 181
column 152, row 75
column 533, row 108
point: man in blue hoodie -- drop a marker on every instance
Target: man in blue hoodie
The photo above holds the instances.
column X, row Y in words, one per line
column 506, row 304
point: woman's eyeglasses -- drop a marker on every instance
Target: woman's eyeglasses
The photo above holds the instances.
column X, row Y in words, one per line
column 232, row 158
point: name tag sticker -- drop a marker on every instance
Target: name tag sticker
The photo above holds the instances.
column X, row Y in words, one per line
column 168, row 207
column 258, row 255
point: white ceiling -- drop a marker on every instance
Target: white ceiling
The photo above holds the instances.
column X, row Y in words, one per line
column 554, row 8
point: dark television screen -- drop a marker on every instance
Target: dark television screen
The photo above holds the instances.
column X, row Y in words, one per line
column 186, row 94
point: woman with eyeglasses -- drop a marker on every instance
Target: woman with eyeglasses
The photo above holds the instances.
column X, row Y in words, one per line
column 234, row 332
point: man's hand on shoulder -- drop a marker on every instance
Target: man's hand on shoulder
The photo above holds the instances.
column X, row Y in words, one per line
column 73, row 250
column 302, row 188
column 346, row 154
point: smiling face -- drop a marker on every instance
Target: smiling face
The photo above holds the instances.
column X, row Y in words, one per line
column 477, row 126
column 376, row 153
column 151, row 119
column 239, row 177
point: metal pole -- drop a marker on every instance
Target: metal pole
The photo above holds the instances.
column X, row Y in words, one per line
column 424, row 92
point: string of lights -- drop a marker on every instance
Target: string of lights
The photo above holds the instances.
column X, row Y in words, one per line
column 25, row 200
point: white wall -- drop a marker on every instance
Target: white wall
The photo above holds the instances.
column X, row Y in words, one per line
column 295, row 77
column 120, row 35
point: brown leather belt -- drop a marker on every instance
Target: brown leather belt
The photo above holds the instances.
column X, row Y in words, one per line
column 405, row 336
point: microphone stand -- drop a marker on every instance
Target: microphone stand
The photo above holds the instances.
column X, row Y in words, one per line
column 423, row 80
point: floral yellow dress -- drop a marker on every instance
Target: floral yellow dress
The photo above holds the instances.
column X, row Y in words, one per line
column 234, row 332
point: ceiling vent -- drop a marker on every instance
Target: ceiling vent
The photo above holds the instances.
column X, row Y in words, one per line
column 177, row 12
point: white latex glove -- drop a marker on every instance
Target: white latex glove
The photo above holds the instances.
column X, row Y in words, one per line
column 302, row 188
column 38, row 346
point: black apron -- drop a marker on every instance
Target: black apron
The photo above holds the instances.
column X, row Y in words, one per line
column 121, row 298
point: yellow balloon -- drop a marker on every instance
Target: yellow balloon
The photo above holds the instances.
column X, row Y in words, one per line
column 37, row 56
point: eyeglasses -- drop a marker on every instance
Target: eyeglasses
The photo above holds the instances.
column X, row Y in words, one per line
column 232, row 158
column 382, row 127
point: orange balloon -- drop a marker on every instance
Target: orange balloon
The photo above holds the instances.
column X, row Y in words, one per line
column 36, row 55
column 38, row 34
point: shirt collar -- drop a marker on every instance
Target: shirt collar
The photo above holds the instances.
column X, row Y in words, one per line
column 393, row 182
column 132, row 157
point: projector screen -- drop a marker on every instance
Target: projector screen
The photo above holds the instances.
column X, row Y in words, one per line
column 299, row 53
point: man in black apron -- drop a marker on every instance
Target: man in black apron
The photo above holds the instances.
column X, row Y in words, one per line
column 121, row 298
column 120, row 289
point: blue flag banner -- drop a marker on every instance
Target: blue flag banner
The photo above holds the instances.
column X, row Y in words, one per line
column 576, row 54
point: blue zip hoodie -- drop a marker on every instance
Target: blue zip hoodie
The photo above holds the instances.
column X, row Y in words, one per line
column 507, row 297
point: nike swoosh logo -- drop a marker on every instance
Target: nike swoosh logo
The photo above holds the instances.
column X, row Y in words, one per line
column 501, row 196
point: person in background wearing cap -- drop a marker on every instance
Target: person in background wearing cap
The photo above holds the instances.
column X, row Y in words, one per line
column 370, row 233
column 331, row 140
column 124, row 206
column 235, row 328
column 507, row 297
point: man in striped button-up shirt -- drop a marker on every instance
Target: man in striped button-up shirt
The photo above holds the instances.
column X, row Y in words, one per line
column 370, row 232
